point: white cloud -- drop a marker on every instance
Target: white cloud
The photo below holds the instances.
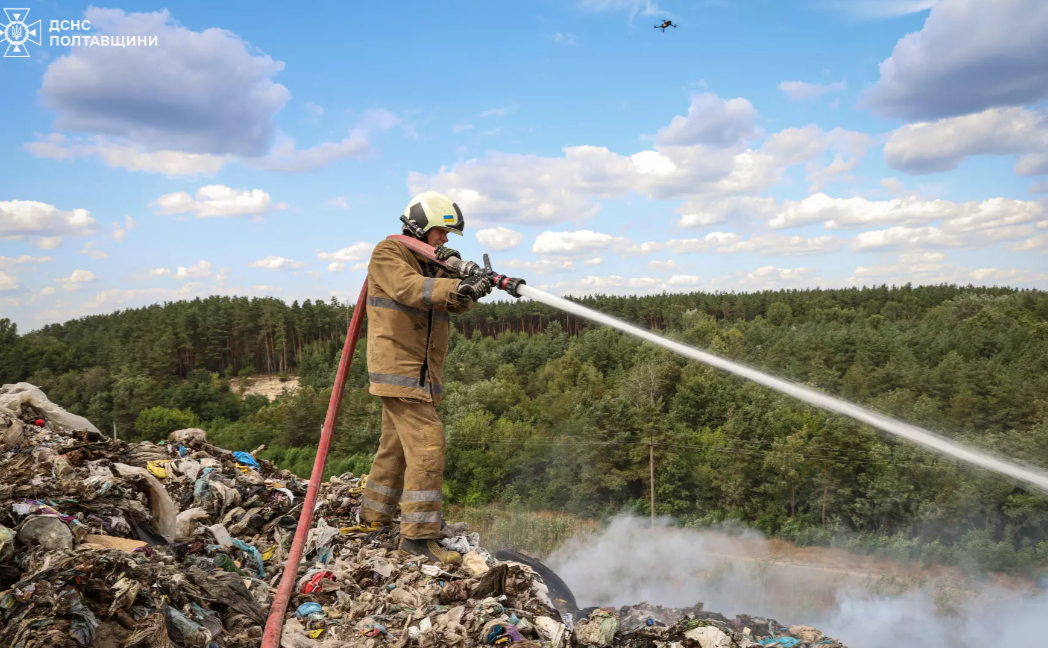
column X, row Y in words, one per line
column 263, row 288
column 160, row 272
column 8, row 282
column 339, row 202
column 929, row 147
column 704, row 244
column 543, row 266
column 76, row 279
column 314, row 111
column 678, row 280
column 699, row 212
column 918, row 238
column 970, row 55
column 276, row 263
column 222, row 275
column 287, row 158
column 763, row 278
column 458, row 128
column 163, row 97
column 629, row 248
column 762, row 244
column 595, row 261
column 605, row 285
column 711, row 121
column 851, row 213
column 873, row 9
column 501, row 111
column 217, row 200
column 336, row 266
column 48, row 242
column 1037, row 243
column 355, row 252
column 120, row 232
column 564, row 38
column 921, row 257
column 10, row 262
column 130, row 156
column 931, row 271
column 198, row 270
column 766, row 278
column 499, row 238
column 665, row 266
column 803, row 91
column 90, row 251
column 533, row 189
column 21, row 219
column 571, row 243
column 44, row 292
column 633, row 7
column 779, row 245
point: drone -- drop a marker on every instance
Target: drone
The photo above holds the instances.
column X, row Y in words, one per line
column 664, row 25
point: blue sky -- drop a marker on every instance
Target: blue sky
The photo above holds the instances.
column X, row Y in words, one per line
column 257, row 150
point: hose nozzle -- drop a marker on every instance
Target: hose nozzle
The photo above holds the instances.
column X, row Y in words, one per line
column 472, row 268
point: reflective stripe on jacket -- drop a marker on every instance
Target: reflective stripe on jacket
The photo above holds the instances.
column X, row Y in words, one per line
column 409, row 324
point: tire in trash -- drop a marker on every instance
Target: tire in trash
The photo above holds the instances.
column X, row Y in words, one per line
column 559, row 592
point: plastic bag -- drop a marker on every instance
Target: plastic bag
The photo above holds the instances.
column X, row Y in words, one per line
column 12, row 397
column 164, row 510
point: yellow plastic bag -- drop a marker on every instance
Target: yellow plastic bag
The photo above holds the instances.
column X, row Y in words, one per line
column 158, row 468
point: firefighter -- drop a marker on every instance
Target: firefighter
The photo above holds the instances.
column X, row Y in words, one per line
column 409, row 303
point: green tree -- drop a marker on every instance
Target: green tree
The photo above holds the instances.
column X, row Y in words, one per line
column 156, row 423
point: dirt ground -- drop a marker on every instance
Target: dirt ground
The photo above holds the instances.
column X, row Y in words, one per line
column 269, row 386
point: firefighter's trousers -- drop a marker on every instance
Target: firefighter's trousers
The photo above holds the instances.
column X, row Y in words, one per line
column 408, row 469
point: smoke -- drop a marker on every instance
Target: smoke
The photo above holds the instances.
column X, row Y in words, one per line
column 628, row 563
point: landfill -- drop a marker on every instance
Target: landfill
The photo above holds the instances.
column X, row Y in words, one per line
column 182, row 544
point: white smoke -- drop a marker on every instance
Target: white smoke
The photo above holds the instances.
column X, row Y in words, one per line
column 629, row 563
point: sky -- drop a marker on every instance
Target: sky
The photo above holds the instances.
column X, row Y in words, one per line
column 261, row 149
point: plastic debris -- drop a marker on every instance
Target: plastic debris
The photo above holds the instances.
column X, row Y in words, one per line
column 51, row 533
column 181, row 544
column 245, row 459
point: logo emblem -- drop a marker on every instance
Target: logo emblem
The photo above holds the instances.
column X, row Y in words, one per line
column 17, row 33
column 449, row 219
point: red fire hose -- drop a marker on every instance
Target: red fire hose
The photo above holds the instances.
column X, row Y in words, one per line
column 275, row 624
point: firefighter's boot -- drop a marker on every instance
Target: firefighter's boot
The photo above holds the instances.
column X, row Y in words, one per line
column 429, row 548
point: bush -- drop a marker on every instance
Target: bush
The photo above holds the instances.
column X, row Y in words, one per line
column 156, row 423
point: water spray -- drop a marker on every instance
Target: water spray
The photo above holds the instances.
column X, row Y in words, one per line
column 942, row 445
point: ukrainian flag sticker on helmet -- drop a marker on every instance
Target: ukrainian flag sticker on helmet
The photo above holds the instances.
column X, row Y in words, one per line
column 449, row 219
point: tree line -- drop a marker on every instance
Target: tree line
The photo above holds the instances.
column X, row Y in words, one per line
column 549, row 412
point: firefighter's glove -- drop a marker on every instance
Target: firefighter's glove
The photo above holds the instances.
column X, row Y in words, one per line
column 474, row 287
column 444, row 253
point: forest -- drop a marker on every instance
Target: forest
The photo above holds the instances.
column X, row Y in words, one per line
column 547, row 412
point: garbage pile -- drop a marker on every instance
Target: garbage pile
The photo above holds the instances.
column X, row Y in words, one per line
column 182, row 544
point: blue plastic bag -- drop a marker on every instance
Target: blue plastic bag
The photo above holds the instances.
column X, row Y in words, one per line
column 246, row 459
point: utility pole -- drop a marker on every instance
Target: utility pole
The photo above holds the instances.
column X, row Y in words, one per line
column 651, row 465
column 114, row 430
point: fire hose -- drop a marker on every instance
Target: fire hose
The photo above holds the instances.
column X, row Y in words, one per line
column 453, row 266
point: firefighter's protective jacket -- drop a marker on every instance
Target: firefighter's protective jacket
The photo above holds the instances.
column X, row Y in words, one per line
column 409, row 326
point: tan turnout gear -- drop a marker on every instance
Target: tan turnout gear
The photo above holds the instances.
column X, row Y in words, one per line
column 409, row 304
column 408, row 469
column 408, row 333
